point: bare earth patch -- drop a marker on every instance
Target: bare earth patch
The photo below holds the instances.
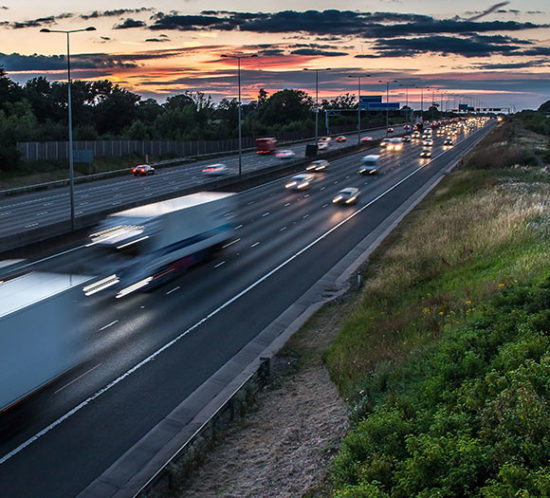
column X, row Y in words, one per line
column 285, row 447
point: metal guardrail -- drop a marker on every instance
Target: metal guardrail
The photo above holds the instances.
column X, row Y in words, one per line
column 120, row 172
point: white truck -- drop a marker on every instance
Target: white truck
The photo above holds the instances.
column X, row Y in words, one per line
column 145, row 245
column 40, row 335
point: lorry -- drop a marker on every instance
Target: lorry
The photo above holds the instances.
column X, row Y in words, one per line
column 266, row 145
column 143, row 246
column 40, row 332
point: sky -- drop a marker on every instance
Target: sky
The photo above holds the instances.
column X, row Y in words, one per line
column 487, row 54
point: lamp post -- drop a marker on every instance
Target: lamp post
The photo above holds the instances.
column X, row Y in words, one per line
column 359, row 103
column 317, row 100
column 71, row 159
column 387, row 101
column 239, row 57
column 407, row 101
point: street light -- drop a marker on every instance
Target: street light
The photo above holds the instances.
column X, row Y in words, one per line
column 239, row 57
column 387, row 100
column 407, row 100
column 317, row 100
column 359, row 103
column 71, row 161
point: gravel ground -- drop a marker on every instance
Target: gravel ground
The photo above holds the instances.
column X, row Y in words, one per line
column 284, row 448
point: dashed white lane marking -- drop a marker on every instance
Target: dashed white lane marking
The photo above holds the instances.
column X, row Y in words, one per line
column 30, row 225
column 219, row 264
column 325, row 205
column 255, row 244
column 173, row 290
column 237, row 227
column 108, row 325
column 305, row 216
column 266, row 214
column 78, row 378
column 287, row 204
column 282, row 229
column 231, row 243
column 323, row 188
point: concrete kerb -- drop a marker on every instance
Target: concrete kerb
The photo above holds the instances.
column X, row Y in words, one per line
column 164, row 470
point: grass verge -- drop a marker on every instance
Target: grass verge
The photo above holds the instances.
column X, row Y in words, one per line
column 445, row 360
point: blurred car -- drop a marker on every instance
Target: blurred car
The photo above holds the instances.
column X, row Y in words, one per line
column 341, row 138
column 428, row 142
column 322, row 146
column 426, row 153
column 365, row 140
column 215, row 169
column 406, row 127
column 384, row 142
column 369, row 165
column 346, row 196
column 448, row 141
column 285, row 154
column 406, row 138
column 143, row 170
column 390, row 130
column 324, row 139
column 395, row 144
column 415, row 134
column 318, row 165
column 299, row 182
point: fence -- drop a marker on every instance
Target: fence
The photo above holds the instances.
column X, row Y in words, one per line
column 59, row 151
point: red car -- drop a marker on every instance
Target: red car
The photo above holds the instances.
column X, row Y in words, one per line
column 366, row 139
column 143, row 170
column 341, row 138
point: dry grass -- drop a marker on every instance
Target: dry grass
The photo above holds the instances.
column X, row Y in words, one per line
column 418, row 286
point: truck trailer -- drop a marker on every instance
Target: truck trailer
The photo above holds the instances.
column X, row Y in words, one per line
column 143, row 246
column 40, row 332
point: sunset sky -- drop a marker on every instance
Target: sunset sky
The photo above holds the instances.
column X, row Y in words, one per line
column 483, row 53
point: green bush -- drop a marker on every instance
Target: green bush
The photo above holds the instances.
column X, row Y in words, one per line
column 468, row 416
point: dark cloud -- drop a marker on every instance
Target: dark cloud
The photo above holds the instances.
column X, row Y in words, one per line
column 333, row 23
column 34, row 23
column 536, row 51
column 157, row 40
column 3, row 7
column 450, row 26
column 106, row 38
column 18, row 62
column 271, row 52
column 445, row 45
column 129, row 23
column 317, row 52
column 513, row 65
column 115, row 13
column 488, row 11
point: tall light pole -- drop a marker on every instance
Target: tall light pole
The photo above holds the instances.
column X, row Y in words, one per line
column 359, row 103
column 239, row 57
column 317, row 100
column 387, row 101
column 70, row 110
column 407, row 100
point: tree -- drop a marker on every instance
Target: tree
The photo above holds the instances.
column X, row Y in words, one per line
column 286, row 106
column 115, row 110
column 545, row 107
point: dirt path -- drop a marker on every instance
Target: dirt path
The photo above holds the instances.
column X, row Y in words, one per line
column 284, row 448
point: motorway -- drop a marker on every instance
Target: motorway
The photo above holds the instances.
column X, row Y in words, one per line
column 150, row 351
column 35, row 210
